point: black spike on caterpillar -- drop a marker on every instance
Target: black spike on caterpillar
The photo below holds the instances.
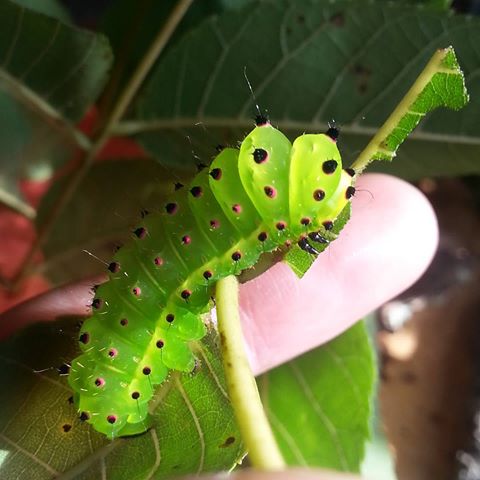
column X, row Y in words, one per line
column 249, row 201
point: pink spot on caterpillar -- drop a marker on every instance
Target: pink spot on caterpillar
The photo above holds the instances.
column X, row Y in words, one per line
column 281, row 226
column 186, row 240
column 140, row 233
column 160, row 343
column 328, row 225
column 123, row 322
column 136, row 291
column 236, row 256
column 270, row 192
column 196, row 192
column 147, row 370
column 214, row 224
column 350, row 193
column 185, row 294
column 260, row 155
column 207, row 274
column 114, row 267
column 262, row 236
column 84, row 338
column 170, row 318
column 135, row 395
column 97, row 303
column 113, row 352
column 305, row 221
column 171, row 208
column 158, row 261
column 216, row 173
column 318, row 195
column 111, row 419
column 237, row 208
column 99, row 382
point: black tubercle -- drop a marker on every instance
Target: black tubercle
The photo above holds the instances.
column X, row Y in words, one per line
column 63, row 369
column 350, row 171
column 350, row 192
column 144, row 212
column 333, row 133
column 304, row 245
column 316, row 237
column 178, row 186
column 201, row 166
column 261, row 120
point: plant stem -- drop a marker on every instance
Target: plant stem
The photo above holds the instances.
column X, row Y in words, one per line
column 403, row 108
column 105, row 131
column 252, row 421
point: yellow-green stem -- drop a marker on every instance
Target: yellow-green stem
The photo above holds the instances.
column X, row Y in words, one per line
column 375, row 144
column 264, row 453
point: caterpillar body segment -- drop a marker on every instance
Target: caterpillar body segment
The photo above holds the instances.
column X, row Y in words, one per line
column 248, row 202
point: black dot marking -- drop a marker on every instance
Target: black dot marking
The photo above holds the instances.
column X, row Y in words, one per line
column 214, row 224
column 135, row 395
column 185, row 294
column 171, row 208
column 63, row 369
column 112, row 353
column 333, row 133
column 328, row 225
column 350, row 171
column 97, row 303
column 237, row 208
column 186, row 240
column 66, row 427
column 160, row 343
column 147, row 370
column 281, row 226
column 260, row 155
column 329, row 166
column 229, row 441
column 261, row 120
column 236, row 256
column 99, row 382
column 196, row 192
column 350, row 192
column 158, row 261
column 123, row 322
column 207, row 274
column 114, row 267
column 178, row 186
column 270, row 192
column 112, row 419
column 84, row 338
column 318, row 195
column 140, row 232
column 136, row 291
column 216, row 173
column 170, row 318
column 262, row 236
column 305, row 221
column 84, row 416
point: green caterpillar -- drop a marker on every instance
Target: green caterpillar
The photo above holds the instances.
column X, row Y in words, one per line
column 253, row 200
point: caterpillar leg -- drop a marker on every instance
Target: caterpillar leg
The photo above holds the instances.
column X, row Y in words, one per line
column 316, row 237
column 304, row 245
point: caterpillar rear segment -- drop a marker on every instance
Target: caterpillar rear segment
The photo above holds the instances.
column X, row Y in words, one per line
column 248, row 202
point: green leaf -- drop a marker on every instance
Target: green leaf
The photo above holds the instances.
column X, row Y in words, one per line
column 300, row 261
column 319, row 404
column 193, row 429
column 348, row 61
column 50, row 73
column 108, row 203
column 441, row 84
column 52, row 8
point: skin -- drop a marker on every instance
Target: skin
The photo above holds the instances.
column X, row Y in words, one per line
column 385, row 248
